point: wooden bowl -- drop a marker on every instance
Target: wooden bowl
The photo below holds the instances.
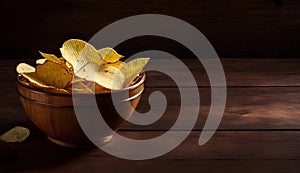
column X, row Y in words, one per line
column 54, row 113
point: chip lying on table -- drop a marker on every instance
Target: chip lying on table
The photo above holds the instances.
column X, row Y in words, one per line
column 81, row 69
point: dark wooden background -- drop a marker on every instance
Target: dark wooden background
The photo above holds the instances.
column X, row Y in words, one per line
column 237, row 29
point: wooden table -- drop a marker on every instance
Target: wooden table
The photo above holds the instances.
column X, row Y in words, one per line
column 259, row 131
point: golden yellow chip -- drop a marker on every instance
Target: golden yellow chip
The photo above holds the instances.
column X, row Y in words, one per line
column 25, row 68
column 79, row 53
column 110, row 77
column 32, row 77
column 40, row 61
column 51, row 57
column 37, row 84
column 133, row 69
column 53, row 74
column 28, row 72
column 107, row 76
column 109, row 55
column 94, row 70
column 118, row 64
column 17, row 134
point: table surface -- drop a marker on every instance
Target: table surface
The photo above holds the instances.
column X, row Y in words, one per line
column 259, row 132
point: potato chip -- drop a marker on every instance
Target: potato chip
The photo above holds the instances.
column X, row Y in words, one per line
column 53, row 74
column 40, row 61
column 51, row 57
column 25, row 68
column 35, row 80
column 28, row 72
column 88, row 72
column 37, row 84
column 94, row 71
column 109, row 55
column 79, row 53
column 118, row 64
column 107, row 76
column 133, row 69
column 110, row 77
column 17, row 134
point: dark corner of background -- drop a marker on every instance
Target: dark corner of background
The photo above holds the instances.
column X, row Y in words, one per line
column 236, row 29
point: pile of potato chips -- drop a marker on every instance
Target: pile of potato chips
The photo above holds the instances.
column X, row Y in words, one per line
column 81, row 69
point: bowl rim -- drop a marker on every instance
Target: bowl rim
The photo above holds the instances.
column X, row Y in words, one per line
column 140, row 82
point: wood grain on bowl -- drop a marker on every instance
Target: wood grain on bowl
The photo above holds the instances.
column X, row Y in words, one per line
column 54, row 113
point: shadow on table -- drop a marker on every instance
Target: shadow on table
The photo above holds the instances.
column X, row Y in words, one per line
column 36, row 153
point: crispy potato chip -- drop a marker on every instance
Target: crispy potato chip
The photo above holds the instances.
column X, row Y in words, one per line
column 42, row 87
column 109, row 55
column 51, row 57
column 133, row 69
column 35, row 80
column 110, row 77
column 17, row 134
column 88, row 72
column 107, row 76
column 37, row 84
column 94, row 71
column 40, row 61
column 118, row 64
column 25, row 68
column 79, row 53
column 53, row 74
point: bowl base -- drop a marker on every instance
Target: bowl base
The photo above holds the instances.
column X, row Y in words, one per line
column 86, row 145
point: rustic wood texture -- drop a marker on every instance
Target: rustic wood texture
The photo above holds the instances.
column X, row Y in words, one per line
column 239, row 72
column 59, row 119
column 259, row 131
column 227, row 151
column 249, row 108
column 268, row 28
column 279, row 78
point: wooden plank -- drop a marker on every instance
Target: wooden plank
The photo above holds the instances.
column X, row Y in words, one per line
column 258, row 133
column 109, row 165
column 247, row 108
column 274, row 151
column 236, row 29
column 238, row 72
